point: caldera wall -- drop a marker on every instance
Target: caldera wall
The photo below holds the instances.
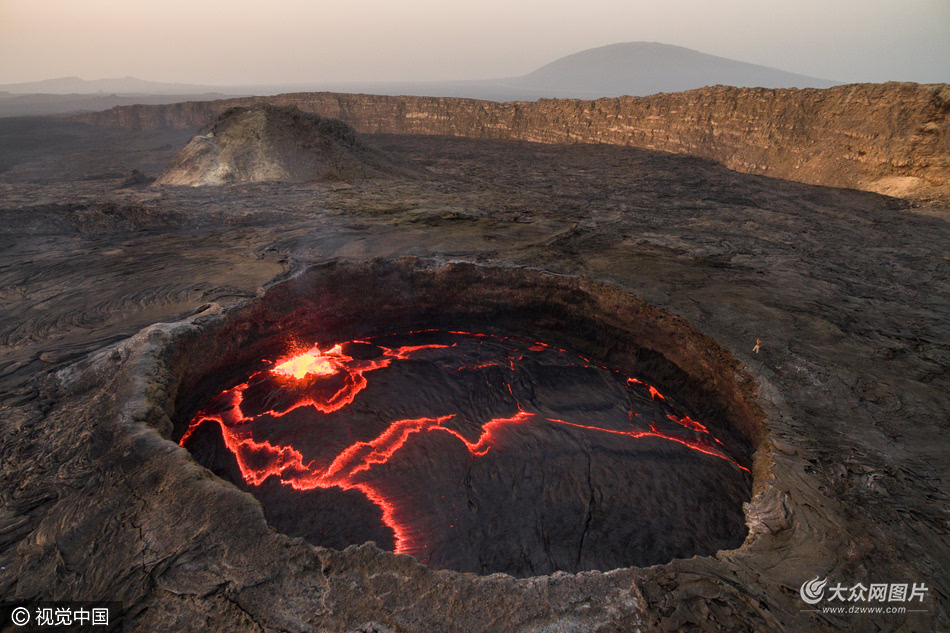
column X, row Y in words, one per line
column 493, row 451
column 891, row 138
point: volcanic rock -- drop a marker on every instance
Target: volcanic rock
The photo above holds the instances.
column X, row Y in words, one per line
column 136, row 180
column 271, row 143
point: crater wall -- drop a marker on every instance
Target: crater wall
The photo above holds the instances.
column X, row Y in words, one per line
column 891, row 138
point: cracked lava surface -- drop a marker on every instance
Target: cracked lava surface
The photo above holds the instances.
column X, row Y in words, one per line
column 473, row 452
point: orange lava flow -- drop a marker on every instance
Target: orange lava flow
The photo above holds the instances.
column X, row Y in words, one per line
column 329, row 380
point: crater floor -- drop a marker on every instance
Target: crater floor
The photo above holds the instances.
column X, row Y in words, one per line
column 847, row 291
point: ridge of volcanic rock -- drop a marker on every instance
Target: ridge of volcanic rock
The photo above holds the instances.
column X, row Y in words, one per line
column 267, row 143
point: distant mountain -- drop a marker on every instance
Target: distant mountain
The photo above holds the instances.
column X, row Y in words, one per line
column 644, row 68
column 122, row 86
column 632, row 68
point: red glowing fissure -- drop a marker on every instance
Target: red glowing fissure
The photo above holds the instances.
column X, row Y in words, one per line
column 259, row 460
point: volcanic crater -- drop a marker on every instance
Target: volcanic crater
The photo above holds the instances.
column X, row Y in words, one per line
column 136, row 318
column 482, row 420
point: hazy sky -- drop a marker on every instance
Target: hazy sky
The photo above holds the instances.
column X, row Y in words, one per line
column 286, row 41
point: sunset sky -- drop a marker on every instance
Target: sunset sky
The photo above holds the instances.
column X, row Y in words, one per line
column 227, row 42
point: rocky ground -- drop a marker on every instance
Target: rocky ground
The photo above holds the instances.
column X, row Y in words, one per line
column 848, row 292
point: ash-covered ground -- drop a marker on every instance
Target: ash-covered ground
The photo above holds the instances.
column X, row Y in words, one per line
column 847, row 291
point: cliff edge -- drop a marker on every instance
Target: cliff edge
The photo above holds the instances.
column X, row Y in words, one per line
column 891, row 138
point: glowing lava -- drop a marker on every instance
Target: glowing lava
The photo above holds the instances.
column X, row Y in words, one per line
column 327, row 381
column 311, row 362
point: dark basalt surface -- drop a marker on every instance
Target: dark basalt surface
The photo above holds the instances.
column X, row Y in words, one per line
column 847, row 291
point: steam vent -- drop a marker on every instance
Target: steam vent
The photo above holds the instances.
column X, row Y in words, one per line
column 480, row 420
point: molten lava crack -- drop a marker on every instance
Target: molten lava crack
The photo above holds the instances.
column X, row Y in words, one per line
column 329, row 380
